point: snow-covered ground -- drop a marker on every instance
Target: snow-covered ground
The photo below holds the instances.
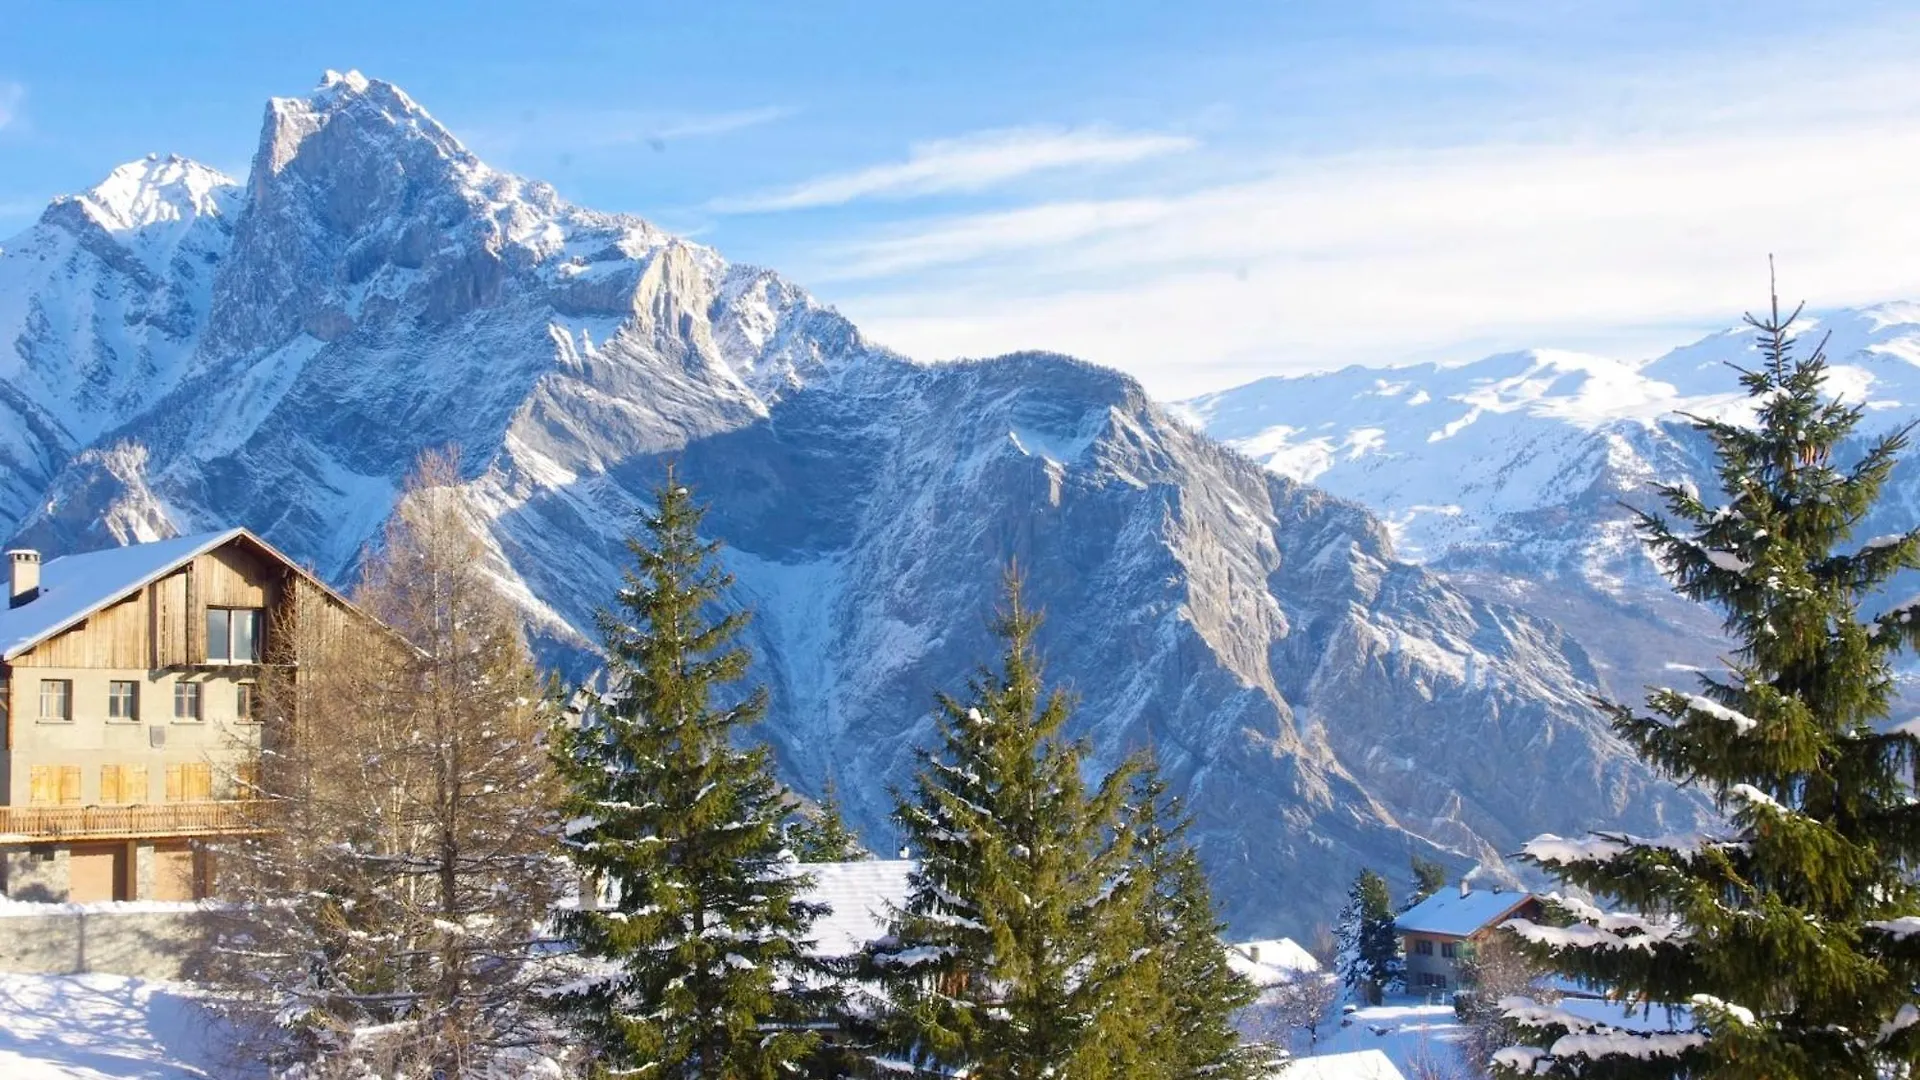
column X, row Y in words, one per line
column 1422, row 1040
column 96, row 1027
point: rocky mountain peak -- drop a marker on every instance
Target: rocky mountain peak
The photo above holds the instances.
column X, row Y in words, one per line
column 157, row 191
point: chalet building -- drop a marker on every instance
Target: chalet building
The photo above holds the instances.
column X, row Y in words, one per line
column 1436, row 933
column 128, row 708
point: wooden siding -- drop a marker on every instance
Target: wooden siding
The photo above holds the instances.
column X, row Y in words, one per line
column 164, row 625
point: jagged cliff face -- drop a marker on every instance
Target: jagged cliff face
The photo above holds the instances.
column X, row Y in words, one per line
column 375, row 290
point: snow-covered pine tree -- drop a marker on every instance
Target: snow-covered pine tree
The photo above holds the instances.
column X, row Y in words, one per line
column 703, row 966
column 1020, row 916
column 823, row 835
column 1183, row 992
column 1368, row 949
column 1787, row 936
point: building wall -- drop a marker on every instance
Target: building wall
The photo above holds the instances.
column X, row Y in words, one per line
column 1438, row 963
column 144, row 944
column 156, row 739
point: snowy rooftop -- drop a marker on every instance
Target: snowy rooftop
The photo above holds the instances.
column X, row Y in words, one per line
column 1269, row 962
column 1459, row 913
column 1358, row 1065
column 73, row 586
column 861, row 895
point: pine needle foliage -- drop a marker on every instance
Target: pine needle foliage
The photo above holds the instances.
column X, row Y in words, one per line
column 1368, row 960
column 702, row 969
column 1007, row 959
column 1789, row 933
column 1183, row 993
column 824, row 836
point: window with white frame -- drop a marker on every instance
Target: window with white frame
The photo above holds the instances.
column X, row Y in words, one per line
column 56, row 700
column 186, row 701
column 123, row 700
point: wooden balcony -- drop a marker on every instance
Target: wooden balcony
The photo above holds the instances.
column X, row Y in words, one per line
column 42, row 824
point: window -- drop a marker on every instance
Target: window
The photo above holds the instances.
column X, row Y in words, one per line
column 56, row 700
column 1424, row 948
column 189, row 783
column 50, row 784
column 233, row 635
column 246, row 780
column 120, row 784
column 186, row 701
column 123, row 700
column 243, row 702
column 1449, row 949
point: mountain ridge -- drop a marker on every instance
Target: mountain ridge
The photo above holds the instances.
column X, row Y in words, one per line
column 378, row 291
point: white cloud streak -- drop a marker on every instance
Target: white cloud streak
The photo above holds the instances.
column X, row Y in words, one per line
column 966, row 164
column 11, row 95
column 1627, row 242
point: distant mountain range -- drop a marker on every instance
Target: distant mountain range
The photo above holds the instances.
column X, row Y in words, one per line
column 184, row 352
column 1512, row 475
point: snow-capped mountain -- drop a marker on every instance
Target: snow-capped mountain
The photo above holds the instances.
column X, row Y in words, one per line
column 1513, row 474
column 374, row 290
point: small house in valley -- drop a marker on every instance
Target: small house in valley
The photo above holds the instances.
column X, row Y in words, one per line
column 1436, row 933
column 130, row 708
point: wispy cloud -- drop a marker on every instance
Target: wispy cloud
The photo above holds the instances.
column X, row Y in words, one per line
column 1620, row 232
column 12, row 94
column 700, row 126
column 606, row 128
column 966, row 164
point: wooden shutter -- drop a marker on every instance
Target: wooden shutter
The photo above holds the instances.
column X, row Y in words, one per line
column 200, row 781
column 110, row 784
column 69, row 784
column 45, row 786
column 246, row 780
column 173, row 784
column 133, row 783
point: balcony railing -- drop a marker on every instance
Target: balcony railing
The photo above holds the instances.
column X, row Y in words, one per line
column 45, row 823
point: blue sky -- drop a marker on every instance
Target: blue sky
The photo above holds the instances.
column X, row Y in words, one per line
column 1199, row 193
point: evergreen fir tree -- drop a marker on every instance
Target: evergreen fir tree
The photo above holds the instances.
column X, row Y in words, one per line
column 823, row 836
column 1787, row 933
column 1368, row 958
column 704, row 971
column 1186, row 994
column 1007, row 959
column 1429, row 877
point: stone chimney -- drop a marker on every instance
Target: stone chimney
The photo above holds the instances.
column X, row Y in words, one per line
column 25, row 566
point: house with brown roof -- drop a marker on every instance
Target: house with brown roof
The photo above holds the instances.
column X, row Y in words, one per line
column 130, row 725
column 1436, row 933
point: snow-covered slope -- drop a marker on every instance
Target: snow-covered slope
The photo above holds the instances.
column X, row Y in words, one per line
column 377, row 290
column 1510, row 473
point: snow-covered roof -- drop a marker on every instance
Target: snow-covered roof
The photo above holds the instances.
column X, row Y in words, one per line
column 1271, row 961
column 74, row 586
column 861, row 895
column 1357, row 1065
column 1452, row 912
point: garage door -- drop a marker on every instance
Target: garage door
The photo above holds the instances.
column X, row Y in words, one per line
column 172, row 872
column 95, row 871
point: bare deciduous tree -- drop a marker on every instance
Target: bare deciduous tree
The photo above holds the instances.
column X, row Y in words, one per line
column 393, row 900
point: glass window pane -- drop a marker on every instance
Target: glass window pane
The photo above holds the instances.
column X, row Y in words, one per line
column 219, row 647
column 186, row 701
column 122, row 700
column 56, row 699
column 243, row 701
column 246, row 636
